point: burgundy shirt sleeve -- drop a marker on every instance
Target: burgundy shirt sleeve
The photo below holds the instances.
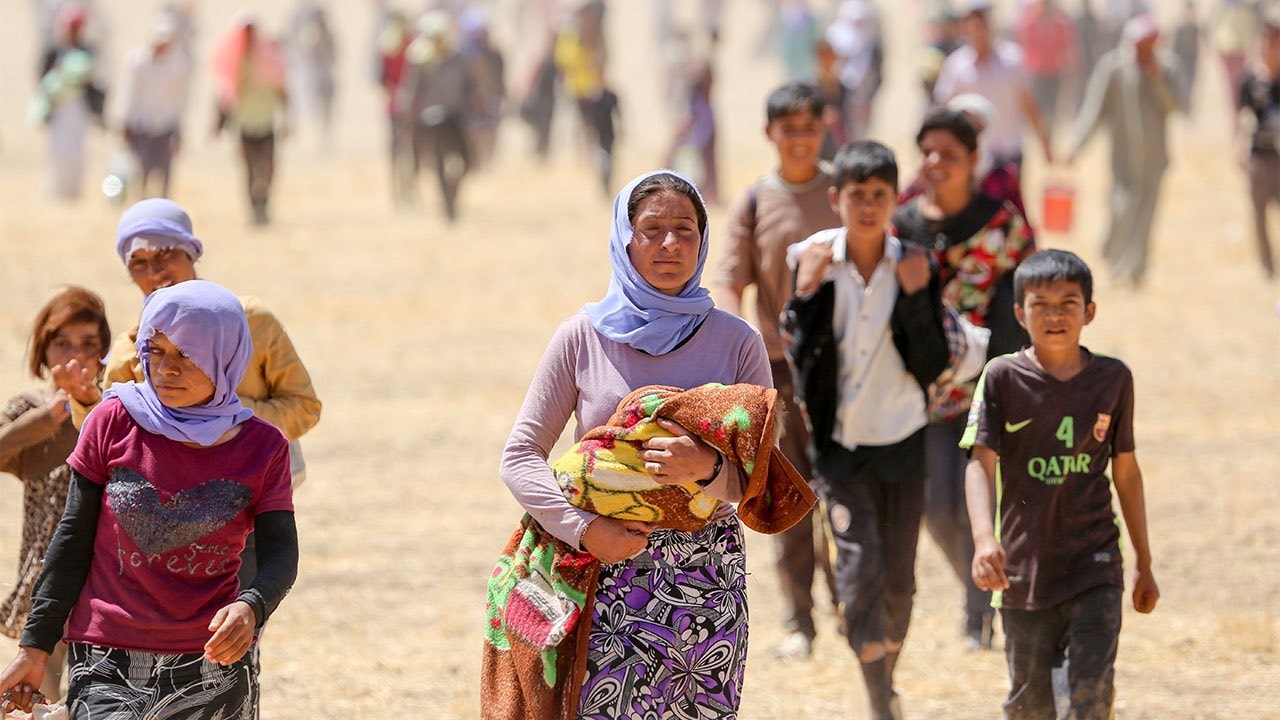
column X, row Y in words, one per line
column 277, row 480
column 89, row 457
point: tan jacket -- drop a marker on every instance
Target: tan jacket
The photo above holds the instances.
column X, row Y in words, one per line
column 276, row 385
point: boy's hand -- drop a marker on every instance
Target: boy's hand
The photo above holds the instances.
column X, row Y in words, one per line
column 913, row 271
column 988, row 565
column 232, row 630
column 812, row 268
column 612, row 540
column 1145, row 591
column 20, row 682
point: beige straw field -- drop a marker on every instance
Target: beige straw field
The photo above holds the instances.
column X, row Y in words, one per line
column 421, row 338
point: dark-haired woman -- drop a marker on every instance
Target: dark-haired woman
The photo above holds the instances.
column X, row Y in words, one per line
column 977, row 241
column 669, row 622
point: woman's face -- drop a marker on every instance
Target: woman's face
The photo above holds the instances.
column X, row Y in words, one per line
column 75, row 341
column 947, row 165
column 155, row 269
column 175, row 377
column 665, row 241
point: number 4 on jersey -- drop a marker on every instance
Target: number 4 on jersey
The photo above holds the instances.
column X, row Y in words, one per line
column 1066, row 432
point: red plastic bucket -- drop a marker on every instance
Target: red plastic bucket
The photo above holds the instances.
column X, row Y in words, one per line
column 1059, row 206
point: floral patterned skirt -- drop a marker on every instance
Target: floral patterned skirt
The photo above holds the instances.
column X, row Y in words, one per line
column 669, row 629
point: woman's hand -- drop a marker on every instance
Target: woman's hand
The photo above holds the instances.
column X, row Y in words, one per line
column 232, row 630
column 680, row 459
column 78, row 382
column 20, row 682
column 612, row 540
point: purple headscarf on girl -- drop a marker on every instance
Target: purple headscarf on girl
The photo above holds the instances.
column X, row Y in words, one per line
column 207, row 323
column 635, row 313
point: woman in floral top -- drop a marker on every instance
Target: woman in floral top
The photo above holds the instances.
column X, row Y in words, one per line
column 977, row 241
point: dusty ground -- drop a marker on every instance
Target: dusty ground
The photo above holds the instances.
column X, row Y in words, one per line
column 421, row 338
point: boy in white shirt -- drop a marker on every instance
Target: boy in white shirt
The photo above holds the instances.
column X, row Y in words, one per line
column 866, row 324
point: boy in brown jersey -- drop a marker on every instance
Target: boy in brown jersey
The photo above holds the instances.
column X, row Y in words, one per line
column 1053, row 415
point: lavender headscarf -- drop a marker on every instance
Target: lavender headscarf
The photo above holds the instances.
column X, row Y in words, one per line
column 635, row 313
column 156, row 223
column 208, row 324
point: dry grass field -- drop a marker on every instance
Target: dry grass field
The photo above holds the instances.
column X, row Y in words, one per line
column 421, row 338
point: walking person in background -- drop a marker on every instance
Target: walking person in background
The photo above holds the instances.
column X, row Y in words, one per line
column 696, row 132
column 1186, row 55
column 1260, row 97
column 393, row 46
column 1232, row 27
column 486, row 68
column 606, row 117
column 1050, row 52
column 168, row 478
column 249, row 75
column 1131, row 94
column 36, row 436
column 434, row 94
column 313, row 60
column 855, row 36
column 994, row 69
column 155, row 103
column 538, row 108
column 69, row 99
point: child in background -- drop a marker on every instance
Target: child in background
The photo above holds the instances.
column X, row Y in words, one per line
column 36, row 436
column 867, row 338
column 781, row 209
column 168, row 477
column 1052, row 416
column 697, row 132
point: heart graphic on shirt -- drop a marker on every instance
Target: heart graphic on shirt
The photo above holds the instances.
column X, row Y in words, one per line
column 157, row 526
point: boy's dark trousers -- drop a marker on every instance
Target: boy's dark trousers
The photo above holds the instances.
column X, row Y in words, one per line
column 873, row 498
column 259, row 155
column 1083, row 633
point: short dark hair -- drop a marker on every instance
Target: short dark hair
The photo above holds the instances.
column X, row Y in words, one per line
column 794, row 97
column 666, row 182
column 1046, row 266
column 862, row 160
column 950, row 121
column 72, row 305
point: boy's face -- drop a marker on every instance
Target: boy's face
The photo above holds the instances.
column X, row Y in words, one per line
column 798, row 137
column 864, row 208
column 1054, row 313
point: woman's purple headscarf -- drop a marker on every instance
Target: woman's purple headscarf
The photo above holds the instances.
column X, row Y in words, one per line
column 635, row 313
column 207, row 323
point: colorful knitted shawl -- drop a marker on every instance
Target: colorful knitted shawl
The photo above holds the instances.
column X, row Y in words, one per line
column 535, row 649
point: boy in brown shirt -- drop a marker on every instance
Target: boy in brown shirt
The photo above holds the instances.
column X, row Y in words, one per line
column 1053, row 415
column 781, row 209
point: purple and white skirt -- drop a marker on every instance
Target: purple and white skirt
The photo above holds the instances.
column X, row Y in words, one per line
column 669, row 629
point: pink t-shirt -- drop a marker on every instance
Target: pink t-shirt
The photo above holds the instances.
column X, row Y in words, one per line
column 172, row 526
